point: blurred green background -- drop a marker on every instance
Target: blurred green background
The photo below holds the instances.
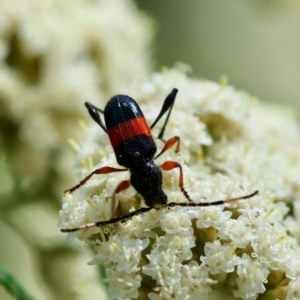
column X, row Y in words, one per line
column 255, row 43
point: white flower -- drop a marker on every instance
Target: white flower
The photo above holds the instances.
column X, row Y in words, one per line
column 213, row 216
column 181, row 226
column 124, row 254
column 54, row 56
column 164, row 267
column 122, row 285
column 237, row 231
column 228, row 150
column 294, row 290
column 220, row 258
column 251, row 278
column 196, row 278
column 293, row 266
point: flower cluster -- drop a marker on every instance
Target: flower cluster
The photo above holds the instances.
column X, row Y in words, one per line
column 54, row 56
column 231, row 145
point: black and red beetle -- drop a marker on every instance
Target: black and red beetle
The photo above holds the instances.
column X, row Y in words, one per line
column 135, row 149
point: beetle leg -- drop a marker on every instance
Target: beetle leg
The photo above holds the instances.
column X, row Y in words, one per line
column 123, row 185
column 103, row 170
column 170, row 165
column 169, row 143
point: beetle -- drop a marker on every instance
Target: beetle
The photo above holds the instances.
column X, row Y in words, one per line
column 135, row 149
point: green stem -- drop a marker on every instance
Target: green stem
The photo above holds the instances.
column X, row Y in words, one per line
column 13, row 286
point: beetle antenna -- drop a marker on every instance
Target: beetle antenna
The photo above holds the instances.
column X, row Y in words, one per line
column 167, row 105
column 94, row 113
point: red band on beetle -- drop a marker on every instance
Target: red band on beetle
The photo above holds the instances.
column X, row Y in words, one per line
column 128, row 130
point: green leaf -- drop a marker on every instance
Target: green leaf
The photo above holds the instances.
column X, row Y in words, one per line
column 13, row 286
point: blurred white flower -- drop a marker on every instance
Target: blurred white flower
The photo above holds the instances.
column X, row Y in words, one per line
column 294, row 290
column 54, row 56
